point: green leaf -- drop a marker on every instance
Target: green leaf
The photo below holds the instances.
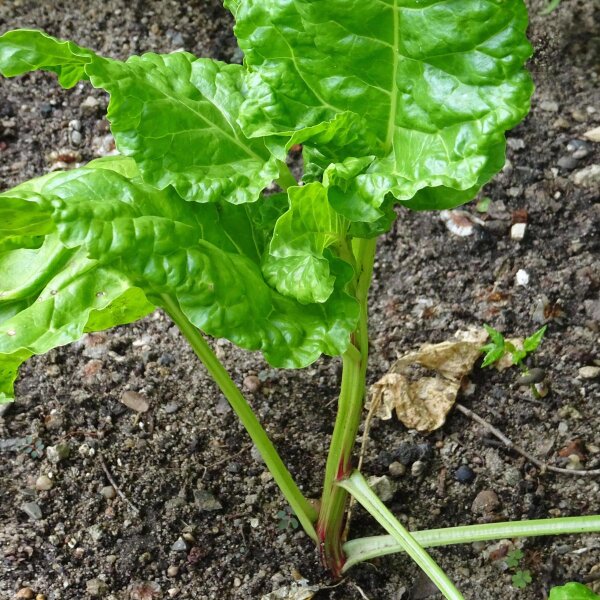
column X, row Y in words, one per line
column 118, row 241
column 26, row 50
column 572, row 591
column 61, row 313
column 496, row 349
column 521, row 579
column 531, row 343
column 436, row 83
column 295, row 263
column 514, row 558
column 176, row 115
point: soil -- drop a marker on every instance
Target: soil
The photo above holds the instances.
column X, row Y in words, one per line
column 208, row 524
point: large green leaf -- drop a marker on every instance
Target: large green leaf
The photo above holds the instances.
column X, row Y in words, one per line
column 295, row 263
column 176, row 115
column 118, row 240
column 59, row 313
column 437, row 81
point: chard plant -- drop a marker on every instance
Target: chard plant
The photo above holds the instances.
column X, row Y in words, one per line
column 393, row 101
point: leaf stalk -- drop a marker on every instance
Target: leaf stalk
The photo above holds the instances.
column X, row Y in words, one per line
column 305, row 512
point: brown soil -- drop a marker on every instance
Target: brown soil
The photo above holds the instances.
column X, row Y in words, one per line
column 429, row 283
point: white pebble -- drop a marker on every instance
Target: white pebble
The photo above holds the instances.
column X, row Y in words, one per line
column 517, row 231
column 522, row 277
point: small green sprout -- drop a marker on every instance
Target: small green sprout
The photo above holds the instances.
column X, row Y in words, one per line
column 498, row 347
column 551, row 7
column 521, row 579
column 513, row 559
column 287, row 520
column 483, row 204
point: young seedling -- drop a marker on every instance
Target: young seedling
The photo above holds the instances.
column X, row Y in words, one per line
column 500, row 347
column 520, row 578
column 402, row 102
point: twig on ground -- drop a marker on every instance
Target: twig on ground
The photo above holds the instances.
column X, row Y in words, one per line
column 112, row 482
column 510, row 444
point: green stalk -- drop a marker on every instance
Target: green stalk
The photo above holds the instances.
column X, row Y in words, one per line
column 330, row 525
column 357, row 485
column 368, row 548
column 305, row 512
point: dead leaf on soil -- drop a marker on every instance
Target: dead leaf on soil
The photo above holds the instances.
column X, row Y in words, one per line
column 295, row 591
column 422, row 402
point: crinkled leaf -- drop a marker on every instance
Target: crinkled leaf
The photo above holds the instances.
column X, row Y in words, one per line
column 206, row 255
column 25, row 50
column 437, row 82
column 63, row 309
column 175, row 114
column 295, row 263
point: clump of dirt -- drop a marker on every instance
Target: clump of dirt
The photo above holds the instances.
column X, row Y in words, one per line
column 207, row 524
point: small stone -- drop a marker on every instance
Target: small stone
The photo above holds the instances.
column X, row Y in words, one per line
column 171, row 407
column 397, row 469
column 532, row 376
column 173, row 571
column 46, row 110
column 89, row 106
column 418, row 468
column 574, row 463
column 135, row 401
column 205, row 501
column 32, row 510
column 568, row 163
column 459, row 222
column 589, row 372
column 512, row 476
column 173, row 592
column 517, row 231
column 25, row 593
column 96, row 532
column 383, row 486
column 406, row 454
column 252, row 383
column 587, row 177
column 96, row 587
column 522, row 277
column 180, row 545
column 515, row 143
column 57, row 453
column 108, row 491
column 485, row 503
column 593, row 134
column 561, row 123
column 576, row 447
column 549, row 106
column 464, row 474
column 75, row 125
column 76, row 138
column 43, row 483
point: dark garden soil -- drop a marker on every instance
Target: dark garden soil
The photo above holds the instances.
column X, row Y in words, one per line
column 208, row 525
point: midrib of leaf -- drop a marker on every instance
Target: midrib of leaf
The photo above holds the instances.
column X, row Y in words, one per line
column 177, row 100
column 394, row 91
